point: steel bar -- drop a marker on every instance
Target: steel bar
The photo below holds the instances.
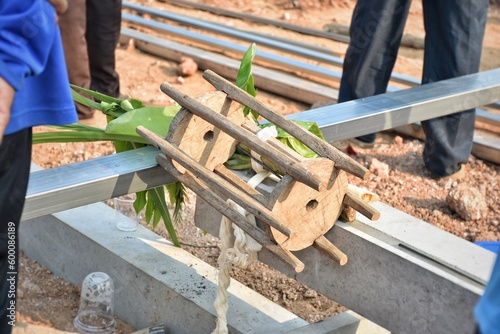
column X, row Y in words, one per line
column 269, row 80
column 387, row 111
column 238, row 34
column 220, row 28
column 281, row 45
column 102, row 178
column 268, row 57
column 94, row 180
column 253, row 18
column 266, row 79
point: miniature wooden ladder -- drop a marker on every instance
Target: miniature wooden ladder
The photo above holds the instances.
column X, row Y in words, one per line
column 303, row 205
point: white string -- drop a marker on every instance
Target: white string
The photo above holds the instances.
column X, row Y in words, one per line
column 244, row 248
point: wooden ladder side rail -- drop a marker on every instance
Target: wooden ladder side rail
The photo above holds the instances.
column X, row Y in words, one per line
column 322, row 148
column 215, row 181
column 237, row 132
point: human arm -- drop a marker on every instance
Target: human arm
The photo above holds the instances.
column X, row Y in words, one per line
column 6, row 98
column 28, row 29
column 60, row 5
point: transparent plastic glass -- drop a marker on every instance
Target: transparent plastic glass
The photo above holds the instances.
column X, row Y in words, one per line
column 96, row 311
column 126, row 218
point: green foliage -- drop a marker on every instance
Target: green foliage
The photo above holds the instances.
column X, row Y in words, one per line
column 124, row 115
column 245, row 80
column 296, row 144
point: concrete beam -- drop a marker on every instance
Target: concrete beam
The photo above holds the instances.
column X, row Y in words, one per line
column 403, row 274
column 155, row 282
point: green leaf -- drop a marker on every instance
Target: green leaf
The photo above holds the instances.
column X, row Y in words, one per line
column 245, row 70
column 97, row 95
column 85, row 101
column 158, row 196
column 245, row 79
column 81, row 136
column 156, row 217
column 177, row 195
column 149, row 208
column 156, row 119
column 136, row 104
column 238, row 162
column 296, row 144
column 140, row 201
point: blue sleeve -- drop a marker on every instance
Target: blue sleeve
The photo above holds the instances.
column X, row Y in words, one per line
column 487, row 311
column 26, row 28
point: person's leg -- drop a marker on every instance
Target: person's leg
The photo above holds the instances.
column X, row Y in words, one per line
column 103, row 33
column 15, row 158
column 376, row 31
column 73, row 24
column 453, row 43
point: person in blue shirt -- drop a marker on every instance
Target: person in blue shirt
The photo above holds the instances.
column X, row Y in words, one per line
column 454, row 31
column 34, row 90
column 487, row 311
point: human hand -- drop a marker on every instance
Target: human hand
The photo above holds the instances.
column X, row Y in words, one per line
column 60, row 5
column 6, row 98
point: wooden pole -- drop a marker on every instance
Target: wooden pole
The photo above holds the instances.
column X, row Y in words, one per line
column 326, row 247
column 355, row 202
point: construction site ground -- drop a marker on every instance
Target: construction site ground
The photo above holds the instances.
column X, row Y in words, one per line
column 398, row 172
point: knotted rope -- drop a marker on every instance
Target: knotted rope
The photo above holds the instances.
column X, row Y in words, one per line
column 244, row 247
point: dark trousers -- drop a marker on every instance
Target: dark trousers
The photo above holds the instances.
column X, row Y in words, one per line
column 102, row 34
column 90, row 31
column 453, row 43
column 15, row 158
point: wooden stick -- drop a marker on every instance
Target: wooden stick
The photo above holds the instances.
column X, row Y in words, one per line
column 355, row 202
column 322, row 148
column 252, row 127
column 238, row 182
column 261, row 147
column 220, row 205
column 214, row 181
column 348, row 214
column 326, row 247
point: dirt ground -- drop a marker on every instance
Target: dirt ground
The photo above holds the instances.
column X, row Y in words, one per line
column 399, row 176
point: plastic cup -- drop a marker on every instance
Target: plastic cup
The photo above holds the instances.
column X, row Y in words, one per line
column 126, row 218
column 96, row 311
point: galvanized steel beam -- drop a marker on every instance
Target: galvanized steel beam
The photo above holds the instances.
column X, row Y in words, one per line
column 268, row 57
column 98, row 179
column 268, row 80
column 70, row 186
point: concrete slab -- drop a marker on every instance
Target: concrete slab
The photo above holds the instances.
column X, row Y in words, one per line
column 345, row 323
column 155, row 282
column 387, row 282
